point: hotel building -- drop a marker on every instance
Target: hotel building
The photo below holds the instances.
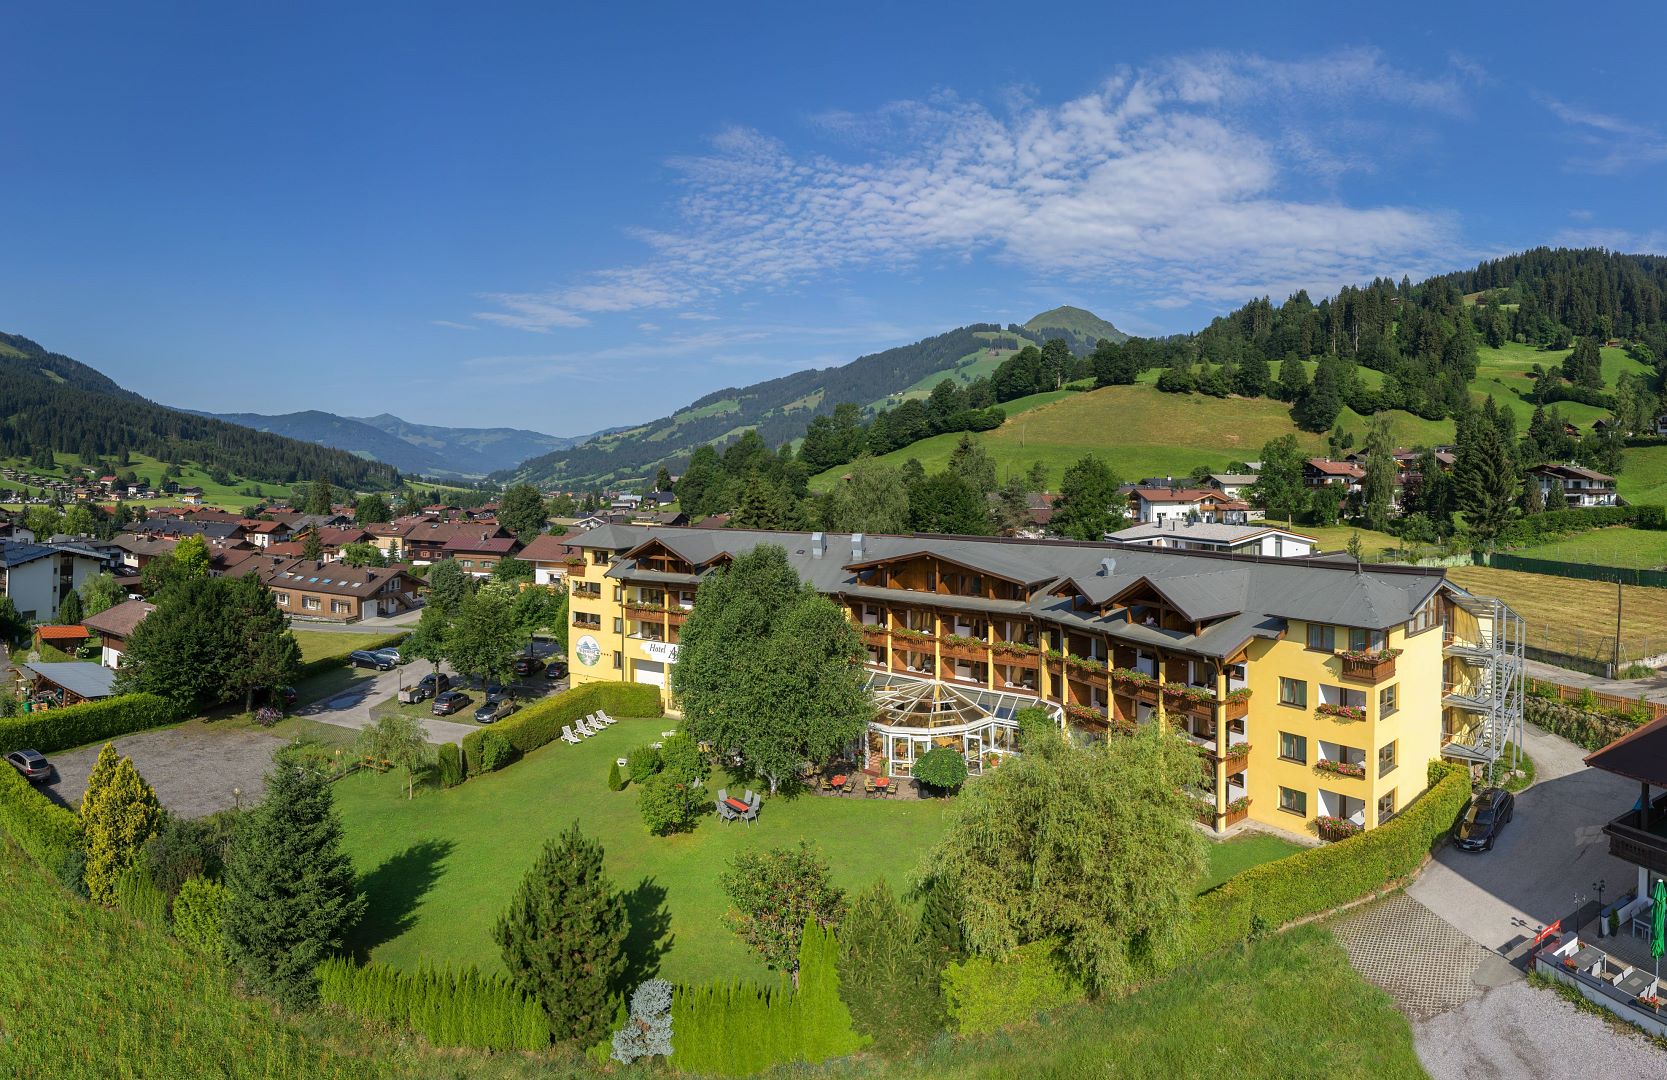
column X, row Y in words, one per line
column 1316, row 690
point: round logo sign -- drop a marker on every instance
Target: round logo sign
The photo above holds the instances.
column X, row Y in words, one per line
column 589, row 651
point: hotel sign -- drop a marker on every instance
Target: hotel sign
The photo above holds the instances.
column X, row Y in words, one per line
column 589, row 651
column 661, row 650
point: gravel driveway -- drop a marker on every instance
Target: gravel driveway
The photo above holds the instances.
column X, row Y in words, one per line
column 194, row 772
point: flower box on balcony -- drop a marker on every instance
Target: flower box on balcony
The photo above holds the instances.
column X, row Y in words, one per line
column 1086, row 714
column 1237, row 752
column 1369, row 665
column 1350, row 769
column 1341, row 712
column 1016, row 653
column 908, row 636
column 1332, row 829
column 1130, row 679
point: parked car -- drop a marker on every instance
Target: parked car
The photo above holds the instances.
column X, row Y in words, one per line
column 494, row 690
column 494, row 710
column 360, row 658
column 431, row 684
column 32, row 764
column 556, row 671
column 451, row 701
column 391, row 654
column 286, row 695
column 526, row 665
column 1489, row 810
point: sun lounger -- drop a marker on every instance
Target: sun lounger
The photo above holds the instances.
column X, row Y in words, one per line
column 568, row 736
column 580, row 727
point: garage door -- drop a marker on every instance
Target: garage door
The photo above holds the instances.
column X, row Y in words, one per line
column 651, row 672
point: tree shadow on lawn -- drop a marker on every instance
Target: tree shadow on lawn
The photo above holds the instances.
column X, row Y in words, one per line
column 650, row 935
column 393, row 890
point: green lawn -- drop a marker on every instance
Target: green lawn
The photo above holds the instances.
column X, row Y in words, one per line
column 1228, row 857
column 1288, row 1006
column 319, row 644
column 1643, row 476
column 1632, row 548
column 224, row 496
column 440, row 869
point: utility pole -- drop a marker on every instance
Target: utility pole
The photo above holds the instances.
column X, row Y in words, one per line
column 1615, row 670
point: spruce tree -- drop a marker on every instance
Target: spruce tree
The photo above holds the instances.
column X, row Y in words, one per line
column 69, row 612
column 293, row 899
column 563, row 937
column 888, row 972
column 119, row 812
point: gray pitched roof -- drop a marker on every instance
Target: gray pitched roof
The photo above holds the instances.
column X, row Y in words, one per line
column 1239, row 595
column 78, row 677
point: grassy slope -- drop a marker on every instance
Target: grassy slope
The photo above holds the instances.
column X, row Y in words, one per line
column 1558, row 605
column 1241, row 853
column 318, row 644
column 1634, row 548
column 1142, row 432
column 225, row 496
column 1288, row 1007
column 440, row 869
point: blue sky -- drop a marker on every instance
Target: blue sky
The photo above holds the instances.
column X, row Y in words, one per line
column 565, row 219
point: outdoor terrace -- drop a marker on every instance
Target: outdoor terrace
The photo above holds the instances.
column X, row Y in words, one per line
column 1640, row 836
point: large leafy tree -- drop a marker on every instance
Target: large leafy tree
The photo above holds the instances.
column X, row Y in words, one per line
column 946, row 503
column 119, row 812
column 100, row 593
column 320, row 498
column 397, row 739
column 767, row 670
column 563, row 937
column 1089, row 504
column 262, row 653
column 1377, row 488
column 1090, row 847
column 371, row 509
column 484, row 637
column 871, row 498
column 773, row 893
column 363, row 553
column 292, row 899
column 428, row 640
column 972, row 463
column 210, row 640
column 522, row 511
column 1279, row 484
column 447, row 586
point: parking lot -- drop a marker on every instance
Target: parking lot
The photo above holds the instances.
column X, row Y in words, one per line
column 195, row 771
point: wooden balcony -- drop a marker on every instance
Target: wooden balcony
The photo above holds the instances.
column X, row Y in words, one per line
column 962, row 651
column 874, row 635
column 1018, row 658
column 1639, row 840
column 575, row 570
column 1374, row 670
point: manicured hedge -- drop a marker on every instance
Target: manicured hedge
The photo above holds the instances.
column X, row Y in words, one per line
column 542, row 721
column 1266, row 897
column 1538, row 528
column 49, row 833
column 448, row 1008
column 331, row 663
column 89, row 722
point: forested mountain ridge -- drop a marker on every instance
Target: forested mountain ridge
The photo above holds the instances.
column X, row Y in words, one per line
column 463, row 453
column 49, row 401
column 780, row 409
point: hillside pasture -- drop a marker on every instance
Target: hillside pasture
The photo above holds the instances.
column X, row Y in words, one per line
column 1572, row 614
column 1635, row 549
column 224, row 496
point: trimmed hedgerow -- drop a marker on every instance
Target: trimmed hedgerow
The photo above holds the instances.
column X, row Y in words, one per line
column 542, row 721
column 1266, row 897
column 89, row 722
column 48, row 832
column 448, row 1008
column 450, row 765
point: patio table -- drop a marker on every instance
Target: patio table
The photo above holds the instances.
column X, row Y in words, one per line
column 1636, row 984
column 839, row 781
column 736, row 804
column 1586, row 957
column 882, row 782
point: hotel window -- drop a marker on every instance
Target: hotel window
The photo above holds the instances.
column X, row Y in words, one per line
column 619, row 660
column 1361, row 640
column 619, row 594
column 1423, row 619
column 1387, row 701
column 619, row 626
column 1293, row 692
column 1386, row 806
column 1293, row 801
column 1322, row 636
column 1386, row 759
column 311, row 603
column 283, row 598
column 1293, row 748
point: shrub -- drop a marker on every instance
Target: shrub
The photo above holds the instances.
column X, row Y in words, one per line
column 647, row 1030
column 982, row 994
column 495, row 751
column 197, row 915
column 50, row 834
column 188, row 848
column 616, row 781
column 667, row 804
column 138, row 895
column 942, row 769
column 447, row 1008
column 642, row 763
column 889, row 972
column 89, row 722
column 1318, row 879
column 450, row 765
column 119, row 814
column 542, row 722
column 772, row 895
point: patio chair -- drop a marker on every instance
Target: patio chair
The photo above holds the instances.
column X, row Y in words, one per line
column 568, row 736
column 850, row 785
column 754, row 801
column 867, row 787
column 726, row 812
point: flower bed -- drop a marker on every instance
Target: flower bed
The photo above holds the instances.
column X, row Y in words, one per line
column 1335, row 828
column 1341, row 712
column 1086, row 714
column 1015, row 648
column 1351, row 769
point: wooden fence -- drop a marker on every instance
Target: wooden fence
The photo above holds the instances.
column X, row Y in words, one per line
column 1570, row 695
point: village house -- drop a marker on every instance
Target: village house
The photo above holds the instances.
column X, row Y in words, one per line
column 1580, row 486
column 549, row 556
column 114, row 626
column 1321, row 472
column 335, row 592
column 1158, row 504
column 37, row 577
column 1183, row 535
column 479, row 554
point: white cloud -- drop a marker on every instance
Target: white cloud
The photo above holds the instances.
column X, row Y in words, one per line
column 1171, row 182
column 1611, row 143
column 1625, row 240
column 448, row 324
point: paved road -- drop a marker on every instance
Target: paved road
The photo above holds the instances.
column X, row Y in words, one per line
column 350, row 706
column 1546, row 859
column 403, row 621
column 194, row 771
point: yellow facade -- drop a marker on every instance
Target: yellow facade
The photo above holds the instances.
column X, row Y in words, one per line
column 624, row 632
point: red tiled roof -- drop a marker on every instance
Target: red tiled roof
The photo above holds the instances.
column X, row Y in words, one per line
column 1335, row 468
column 547, row 549
column 62, row 633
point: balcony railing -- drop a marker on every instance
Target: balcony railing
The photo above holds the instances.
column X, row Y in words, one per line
column 1348, row 770
column 1370, row 666
column 1638, row 840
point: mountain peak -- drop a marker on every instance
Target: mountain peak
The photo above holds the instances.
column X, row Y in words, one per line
column 1076, row 321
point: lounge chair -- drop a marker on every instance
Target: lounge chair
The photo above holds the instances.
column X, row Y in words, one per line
column 604, row 717
column 599, row 720
column 568, row 736
column 580, row 727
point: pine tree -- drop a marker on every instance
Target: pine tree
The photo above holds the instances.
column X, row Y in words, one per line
column 69, row 612
column 119, row 812
column 292, row 899
column 1485, row 478
column 563, row 937
column 312, row 546
column 888, row 972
